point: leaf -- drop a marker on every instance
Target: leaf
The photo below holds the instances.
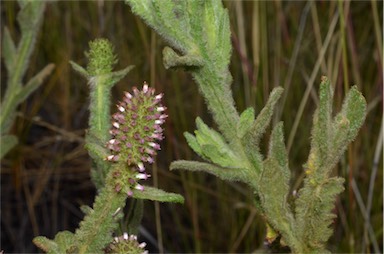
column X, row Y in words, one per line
column 214, row 147
column 251, row 139
column 30, row 15
column 278, row 152
column 9, row 50
column 273, row 191
column 192, row 142
column 155, row 194
column 95, row 230
column 322, row 124
column 314, row 214
column 354, row 109
column 46, row 244
column 83, row 72
column 262, row 121
column 118, row 75
column 34, row 83
column 245, row 123
column 229, row 174
column 7, row 143
column 172, row 59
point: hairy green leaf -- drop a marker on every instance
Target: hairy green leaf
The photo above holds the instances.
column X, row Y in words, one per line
column 314, row 211
column 245, row 123
column 83, row 72
column 230, row 174
column 34, row 83
column 278, row 152
column 155, row 194
column 273, row 191
column 322, row 124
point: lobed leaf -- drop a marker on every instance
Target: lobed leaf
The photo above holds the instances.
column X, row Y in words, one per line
column 262, row 121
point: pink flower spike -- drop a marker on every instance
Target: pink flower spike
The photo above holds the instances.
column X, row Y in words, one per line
column 139, row 187
column 129, row 193
column 141, row 167
column 163, row 116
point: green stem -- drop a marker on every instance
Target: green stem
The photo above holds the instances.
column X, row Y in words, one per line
column 99, row 119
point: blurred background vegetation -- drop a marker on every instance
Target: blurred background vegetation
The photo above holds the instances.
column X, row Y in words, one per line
column 45, row 179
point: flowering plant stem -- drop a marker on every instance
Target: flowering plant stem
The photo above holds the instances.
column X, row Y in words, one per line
column 199, row 33
column 120, row 151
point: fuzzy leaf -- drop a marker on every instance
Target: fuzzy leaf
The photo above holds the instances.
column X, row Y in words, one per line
column 83, row 72
column 252, row 137
column 354, row 109
column 314, row 211
column 172, row 59
column 263, row 119
column 95, row 231
column 30, row 15
column 46, row 244
column 245, row 123
column 199, row 31
column 229, row 174
column 322, row 124
column 118, row 75
column 192, row 142
column 63, row 243
column 155, row 194
column 6, row 144
column 214, row 147
column 274, row 189
column 34, row 83
column 278, row 152
column 9, row 50
column 86, row 209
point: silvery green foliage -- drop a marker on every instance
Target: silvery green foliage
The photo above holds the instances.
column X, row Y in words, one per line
column 101, row 80
column 119, row 151
column 199, row 34
column 16, row 60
